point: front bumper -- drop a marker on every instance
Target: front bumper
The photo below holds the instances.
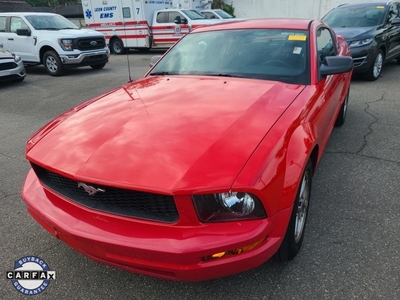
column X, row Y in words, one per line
column 15, row 73
column 169, row 251
column 87, row 58
column 363, row 57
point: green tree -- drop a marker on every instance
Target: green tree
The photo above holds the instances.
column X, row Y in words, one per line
column 51, row 3
column 220, row 4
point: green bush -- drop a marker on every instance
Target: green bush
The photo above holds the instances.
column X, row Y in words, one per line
column 220, row 4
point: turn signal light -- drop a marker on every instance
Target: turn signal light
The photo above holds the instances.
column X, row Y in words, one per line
column 234, row 251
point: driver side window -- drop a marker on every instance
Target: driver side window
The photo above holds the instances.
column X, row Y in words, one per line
column 17, row 23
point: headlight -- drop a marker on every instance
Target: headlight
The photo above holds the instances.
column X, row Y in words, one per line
column 360, row 43
column 228, row 207
column 66, row 44
column 17, row 58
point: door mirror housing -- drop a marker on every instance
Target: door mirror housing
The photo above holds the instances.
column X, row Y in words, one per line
column 24, row 32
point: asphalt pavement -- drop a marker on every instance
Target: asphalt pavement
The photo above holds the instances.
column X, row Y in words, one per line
column 351, row 248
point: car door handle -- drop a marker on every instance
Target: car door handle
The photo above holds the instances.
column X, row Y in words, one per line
column 10, row 39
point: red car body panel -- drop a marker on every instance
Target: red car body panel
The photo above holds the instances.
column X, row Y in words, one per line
column 133, row 130
column 131, row 138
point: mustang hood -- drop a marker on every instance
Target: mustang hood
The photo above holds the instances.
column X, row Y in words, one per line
column 165, row 134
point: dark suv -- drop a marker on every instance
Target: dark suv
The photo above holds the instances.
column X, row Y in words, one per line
column 372, row 31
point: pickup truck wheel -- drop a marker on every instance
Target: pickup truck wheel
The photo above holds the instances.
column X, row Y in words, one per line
column 117, row 46
column 98, row 67
column 52, row 64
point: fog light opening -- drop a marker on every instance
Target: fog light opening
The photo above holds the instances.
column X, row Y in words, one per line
column 234, row 251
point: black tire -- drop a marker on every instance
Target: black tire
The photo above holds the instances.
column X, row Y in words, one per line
column 376, row 68
column 117, row 46
column 98, row 66
column 295, row 232
column 52, row 64
column 341, row 118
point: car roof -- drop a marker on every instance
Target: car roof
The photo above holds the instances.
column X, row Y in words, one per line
column 362, row 4
column 273, row 23
column 26, row 13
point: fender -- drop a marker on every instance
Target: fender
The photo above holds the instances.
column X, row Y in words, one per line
column 301, row 147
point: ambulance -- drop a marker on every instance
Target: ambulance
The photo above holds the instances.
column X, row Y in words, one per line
column 144, row 24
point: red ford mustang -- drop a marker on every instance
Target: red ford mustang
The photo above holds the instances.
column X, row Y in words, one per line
column 203, row 167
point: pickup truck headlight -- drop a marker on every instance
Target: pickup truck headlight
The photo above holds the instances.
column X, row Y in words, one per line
column 360, row 43
column 230, row 206
column 66, row 44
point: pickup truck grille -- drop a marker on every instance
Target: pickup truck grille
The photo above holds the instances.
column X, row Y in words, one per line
column 130, row 203
column 90, row 43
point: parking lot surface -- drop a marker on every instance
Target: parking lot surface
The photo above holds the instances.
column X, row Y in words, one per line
column 351, row 248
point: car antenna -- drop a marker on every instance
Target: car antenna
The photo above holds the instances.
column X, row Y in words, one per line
column 127, row 50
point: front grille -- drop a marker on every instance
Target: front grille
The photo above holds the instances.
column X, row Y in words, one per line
column 92, row 43
column 124, row 202
column 8, row 66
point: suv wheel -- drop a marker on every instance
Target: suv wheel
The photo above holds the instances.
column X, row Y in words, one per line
column 376, row 68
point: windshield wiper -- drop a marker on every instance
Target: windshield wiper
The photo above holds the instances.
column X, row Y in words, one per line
column 226, row 75
column 163, row 73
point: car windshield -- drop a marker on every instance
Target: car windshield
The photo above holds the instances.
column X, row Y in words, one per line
column 356, row 16
column 278, row 55
column 193, row 15
column 50, row 22
column 223, row 14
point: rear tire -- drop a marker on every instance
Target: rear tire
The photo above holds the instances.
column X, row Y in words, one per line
column 117, row 46
column 52, row 64
column 98, row 67
column 297, row 224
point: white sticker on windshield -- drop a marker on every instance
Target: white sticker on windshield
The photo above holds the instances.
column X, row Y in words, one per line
column 297, row 50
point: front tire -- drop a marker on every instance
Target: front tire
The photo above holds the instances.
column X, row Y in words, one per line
column 297, row 224
column 341, row 118
column 52, row 64
column 376, row 68
column 117, row 46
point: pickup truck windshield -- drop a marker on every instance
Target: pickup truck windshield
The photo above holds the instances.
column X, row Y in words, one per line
column 50, row 22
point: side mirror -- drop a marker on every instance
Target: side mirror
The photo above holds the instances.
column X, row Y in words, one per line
column 154, row 59
column 24, row 32
column 396, row 21
column 177, row 20
column 336, row 65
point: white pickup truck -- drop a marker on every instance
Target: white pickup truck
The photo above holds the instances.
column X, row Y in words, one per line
column 52, row 40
